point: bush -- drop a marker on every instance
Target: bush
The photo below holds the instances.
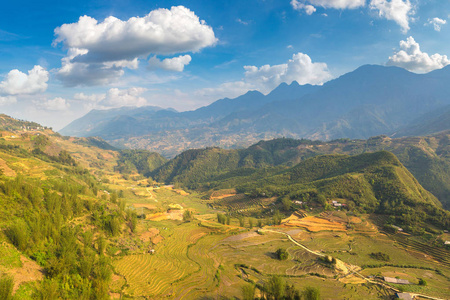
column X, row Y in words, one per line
column 311, row 293
column 282, row 254
column 380, row 256
column 422, row 282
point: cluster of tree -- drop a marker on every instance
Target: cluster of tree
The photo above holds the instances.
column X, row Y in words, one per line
column 282, row 254
column 223, row 219
column 276, row 288
column 37, row 215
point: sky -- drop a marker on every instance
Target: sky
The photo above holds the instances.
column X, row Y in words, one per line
column 61, row 59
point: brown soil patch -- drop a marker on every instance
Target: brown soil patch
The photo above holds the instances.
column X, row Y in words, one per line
column 172, row 215
column 354, row 220
column 222, row 196
column 313, row 224
column 7, row 171
column 150, row 235
column 30, row 271
column 144, row 205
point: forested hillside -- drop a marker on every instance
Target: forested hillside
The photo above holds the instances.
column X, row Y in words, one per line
column 427, row 158
column 57, row 214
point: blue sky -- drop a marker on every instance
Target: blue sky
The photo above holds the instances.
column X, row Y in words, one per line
column 58, row 60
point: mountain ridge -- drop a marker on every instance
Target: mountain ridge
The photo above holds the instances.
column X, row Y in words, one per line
column 368, row 101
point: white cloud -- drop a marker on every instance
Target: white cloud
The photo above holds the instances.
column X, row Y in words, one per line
column 18, row 83
column 56, row 104
column 113, row 98
column 75, row 73
column 309, row 9
column 437, row 23
column 242, row 22
column 265, row 78
column 413, row 59
column 336, row 4
column 7, row 100
column 176, row 64
column 300, row 68
column 398, row 11
column 98, row 51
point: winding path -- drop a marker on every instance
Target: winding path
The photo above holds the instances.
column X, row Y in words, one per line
column 362, row 276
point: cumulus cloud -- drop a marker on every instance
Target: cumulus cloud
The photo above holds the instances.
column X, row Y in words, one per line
column 336, row 4
column 113, row 98
column 56, row 104
column 103, row 49
column 300, row 68
column 7, row 100
column 176, row 64
column 265, row 78
column 437, row 23
column 413, row 59
column 398, row 11
column 129, row 97
column 19, row 83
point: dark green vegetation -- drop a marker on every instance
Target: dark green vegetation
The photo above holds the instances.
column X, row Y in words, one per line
column 427, row 158
column 370, row 182
column 141, row 161
column 369, row 101
column 380, row 256
column 58, row 216
column 282, row 254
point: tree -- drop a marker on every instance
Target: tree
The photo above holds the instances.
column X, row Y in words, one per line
column 248, row 292
column 282, row 254
column 275, row 288
column 422, row 282
column 251, row 222
column 188, row 215
column 286, row 201
column 311, row 293
column 241, row 221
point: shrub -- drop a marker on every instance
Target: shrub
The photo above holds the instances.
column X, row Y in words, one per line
column 282, row 254
column 380, row 256
column 311, row 293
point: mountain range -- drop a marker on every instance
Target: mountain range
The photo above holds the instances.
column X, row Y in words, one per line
column 369, row 101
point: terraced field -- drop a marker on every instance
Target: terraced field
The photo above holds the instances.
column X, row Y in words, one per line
column 178, row 259
column 440, row 255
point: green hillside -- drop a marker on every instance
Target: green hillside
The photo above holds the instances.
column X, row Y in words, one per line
column 427, row 158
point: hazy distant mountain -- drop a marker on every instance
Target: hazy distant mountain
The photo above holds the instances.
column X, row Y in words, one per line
column 93, row 123
column 369, row 101
column 435, row 121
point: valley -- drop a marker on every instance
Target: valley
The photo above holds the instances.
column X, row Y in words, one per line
column 210, row 223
